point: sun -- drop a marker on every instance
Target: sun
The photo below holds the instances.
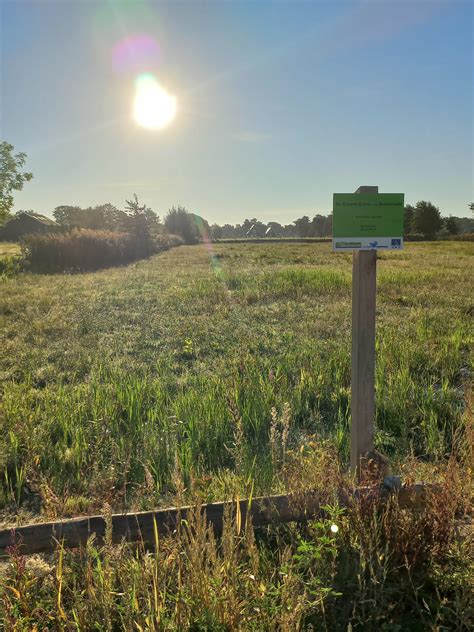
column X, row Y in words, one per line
column 153, row 107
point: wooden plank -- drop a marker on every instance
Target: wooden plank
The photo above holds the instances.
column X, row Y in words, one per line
column 364, row 288
column 40, row 538
column 139, row 527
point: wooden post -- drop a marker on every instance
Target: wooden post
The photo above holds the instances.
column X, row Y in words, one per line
column 364, row 286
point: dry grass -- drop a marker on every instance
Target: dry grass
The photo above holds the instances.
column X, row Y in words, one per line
column 8, row 249
column 384, row 567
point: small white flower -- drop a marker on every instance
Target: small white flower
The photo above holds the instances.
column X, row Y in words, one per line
column 334, row 528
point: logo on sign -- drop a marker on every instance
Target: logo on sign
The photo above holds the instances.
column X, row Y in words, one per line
column 396, row 243
column 348, row 244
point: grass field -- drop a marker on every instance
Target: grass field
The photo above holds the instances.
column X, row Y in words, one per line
column 8, row 249
column 207, row 373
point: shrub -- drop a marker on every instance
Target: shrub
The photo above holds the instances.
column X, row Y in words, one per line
column 81, row 250
column 461, row 237
column 186, row 225
column 9, row 266
column 415, row 237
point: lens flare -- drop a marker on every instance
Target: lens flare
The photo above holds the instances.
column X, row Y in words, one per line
column 153, row 107
column 206, row 240
column 135, row 53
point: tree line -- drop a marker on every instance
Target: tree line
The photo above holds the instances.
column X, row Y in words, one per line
column 134, row 218
column 422, row 219
column 318, row 226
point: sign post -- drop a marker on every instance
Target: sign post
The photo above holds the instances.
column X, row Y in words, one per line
column 364, row 289
column 364, row 222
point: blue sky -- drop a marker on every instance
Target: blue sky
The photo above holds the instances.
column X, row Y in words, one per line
column 280, row 104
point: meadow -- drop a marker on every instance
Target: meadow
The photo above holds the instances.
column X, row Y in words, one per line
column 9, row 249
column 218, row 371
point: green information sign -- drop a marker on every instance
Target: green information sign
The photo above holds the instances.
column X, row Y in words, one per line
column 367, row 221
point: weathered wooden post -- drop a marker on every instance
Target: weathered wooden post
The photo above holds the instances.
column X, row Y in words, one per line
column 364, row 289
column 364, row 222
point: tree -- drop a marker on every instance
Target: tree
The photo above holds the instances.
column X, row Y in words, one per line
column 201, row 225
column 180, row 222
column 465, row 224
column 112, row 218
column 427, row 219
column 246, row 226
column 329, row 225
column 451, row 225
column 303, row 226
column 318, row 225
column 253, row 228
column 140, row 221
column 321, row 226
column 228, row 231
column 274, row 229
column 101, row 217
column 12, row 178
column 239, row 231
column 409, row 216
column 133, row 209
column 216, row 232
column 257, row 229
column 67, row 216
column 28, row 212
column 289, row 230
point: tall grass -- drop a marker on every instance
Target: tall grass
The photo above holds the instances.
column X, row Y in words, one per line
column 364, row 567
column 84, row 249
column 113, row 382
column 188, row 379
column 112, row 430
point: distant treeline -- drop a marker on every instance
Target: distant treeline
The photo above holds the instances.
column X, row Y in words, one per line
column 422, row 221
column 424, row 218
column 319, row 226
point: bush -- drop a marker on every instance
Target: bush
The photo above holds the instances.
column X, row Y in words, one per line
column 416, row 237
column 10, row 266
column 81, row 250
column 184, row 224
column 461, row 237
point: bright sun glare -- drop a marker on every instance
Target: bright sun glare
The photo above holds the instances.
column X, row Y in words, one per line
column 153, row 107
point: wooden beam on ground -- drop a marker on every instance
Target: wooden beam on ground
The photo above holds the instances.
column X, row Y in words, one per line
column 139, row 527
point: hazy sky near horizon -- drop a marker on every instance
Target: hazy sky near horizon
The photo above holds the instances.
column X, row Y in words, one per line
column 279, row 103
